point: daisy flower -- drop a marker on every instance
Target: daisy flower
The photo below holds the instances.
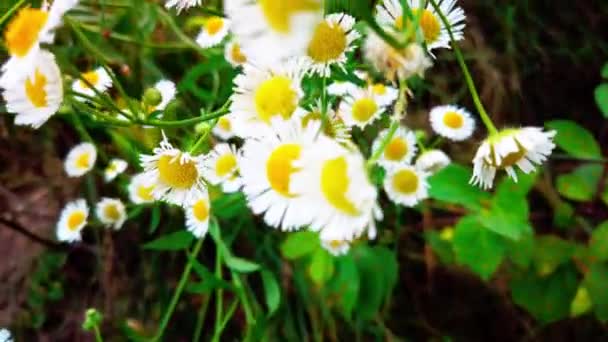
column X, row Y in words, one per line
column 335, row 192
column 114, row 168
column 263, row 93
column 37, row 96
column 393, row 63
column 272, row 30
column 141, row 189
column 5, row 336
column 385, row 95
column 213, row 32
column 401, row 149
column 268, row 166
column 390, row 13
column 80, row 159
column 197, row 216
column 432, row 161
column 336, row 247
column 72, row 220
column 360, row 109
column 525, row 147
column 224, row 127
column 177, row 175
column 452, row 122
column 98, row 78
column 111, row 212
column 332, row 39
column 24, row 33
column 234, row 55
column 341, row 88
column 167, row 92
column 406, row 185
column 181, row 5
column 221, row 166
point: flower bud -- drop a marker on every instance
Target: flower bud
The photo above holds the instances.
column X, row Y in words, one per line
column 152, row 97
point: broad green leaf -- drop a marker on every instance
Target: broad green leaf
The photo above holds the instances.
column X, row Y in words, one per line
column 240, row 264
column 171, row 242
column 548, row 298
column 344, row 286
column 522, row 187
column 598, row 246
column 574, row 139
column 581, row 304
column 441, row 247
column 299, row 244
column 521, row 252
column 451, row 185
column 596, row 281
column 272, row 291
column 581, row 184
column 563, row 215
column 477, row 247
column 601, row 98
column 550, row 252
column 508, row 213
column 321, row 267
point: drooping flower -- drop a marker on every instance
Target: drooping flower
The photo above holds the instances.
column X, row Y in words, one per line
column 197, row 216
column 406, row 185
column 80, row 160
column 72, row 220
column 401, row 149
column 452, row 122
column 111, row 212
column 214, row 30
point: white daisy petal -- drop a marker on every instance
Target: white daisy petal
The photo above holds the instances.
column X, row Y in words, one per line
column 213, row 32
column 72, row 220
column 406, row 185
column 114, row 168
column 221, row 167
column 432, row 161
column 141, row 189
column 197, row 216
column 452, row 122
column 401, row 149
column 111, row 212
column 360, row 109
column 80, row 160
column 98, row 78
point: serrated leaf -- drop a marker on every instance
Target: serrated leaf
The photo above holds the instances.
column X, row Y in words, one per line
column 550, row 252
column 272, row 291
column 299, row 244
column 321, row 267
column 574, row 139
column 601, row 98
column 451, row 184
column 595, row 282
column 598, row 246
column 171, row 242
column 581, row 184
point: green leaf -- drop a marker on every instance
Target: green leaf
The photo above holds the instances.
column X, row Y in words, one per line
column 155, row 220
column 550, row 252
column 171, row 242
column 451, row 185
column 477, row 247
column 508, row 213
column 581, row 304
column 240, row 264
column 521, row 252
column 574, row 139
column 581, row 184
column 548, row 299
column 441, row 247
column 601, row 98
column 595, row 282
column 598, row 246
column 522, row 187
column 345, row 284
column 321, row 267
column 209, row 281
column 272, row 291
column 299, row 244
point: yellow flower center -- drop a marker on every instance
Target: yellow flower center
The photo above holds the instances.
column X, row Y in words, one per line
column 22, row 32
column 111, row 168
column 453, row 120
column 278, row 12
column 511, row 158
column 91, row 76
column 237, row 55
column 405, row 181
column 76, row 219
column 396, row 149
column 279, row 167
column 335, row 244
column 328, row 42
column 224, row 124
column 334, row 185
column 35, row 90
column 176, row 174
column 213, row 25
column 225, row 164
column 379, row 89
column 311, row 116
column 83, row 161
column 200, row 209
column 275, row 96
column 145, row 193
column 364, row 109
column 111, row 211
column 429, row 23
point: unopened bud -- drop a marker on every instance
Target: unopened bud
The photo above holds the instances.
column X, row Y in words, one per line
column 152, row 97
column 92, row 319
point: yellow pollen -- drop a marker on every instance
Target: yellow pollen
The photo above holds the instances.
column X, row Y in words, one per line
column 35, row 90
column 396, row 149
column 279, row 167
column 278, row 13
column 213, row 25
column 176, row 174
column 405, row 181
column 145, row 192
column 76, row 219
column 225, row 164
column 429, row 23
column 364, row 109
column 336, row 243
column 111, row 211
column 224, row 124
column 453, row 120
column 379, row 89
column 82, row 161
column 237, row 55
column 200, row 209
column 91, row 76
column 328, row 42
column 275, row 96
column 334, row 185
column 22, row 32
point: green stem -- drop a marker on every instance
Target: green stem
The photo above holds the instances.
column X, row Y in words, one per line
column 178, row 292
column 98, row 337
column 11, row 11
column 168, row 19
column 200, row 320
column 199, row 142
column 243, row 298
column 324, row 103
column 219, row 295
column 158, row 123
column 465, row 70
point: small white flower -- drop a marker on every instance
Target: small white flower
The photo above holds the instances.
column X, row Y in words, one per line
column 167, row 92
column 360, row 109
column 341, row 88
column 99, row 79
column 525, row 147
column 224, row 127
column 452, row 122
column 197, row 216
column 401, row 149
column 432, row 161
column 336, row 247
column 72, row 220
column 181, row 5
column 221, row 166
column 406, row 185
column 402, row 64
column 111, row 212
column 141, row 189
column 213, row 31
column 234, row 55
column 385, row 95
column 80, row 160
column 114, row 168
